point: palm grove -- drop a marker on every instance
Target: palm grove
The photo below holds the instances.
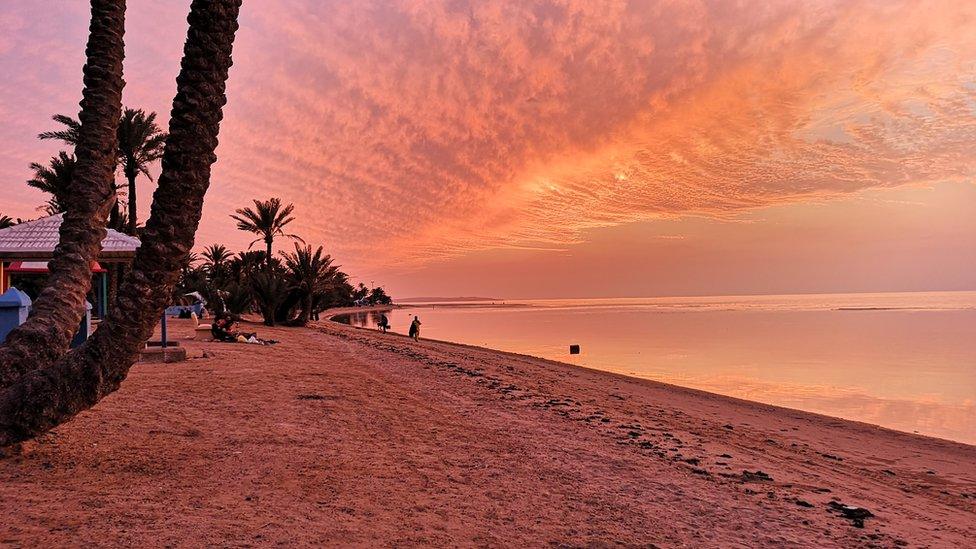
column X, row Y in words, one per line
column 289, row 289
column 42, row 382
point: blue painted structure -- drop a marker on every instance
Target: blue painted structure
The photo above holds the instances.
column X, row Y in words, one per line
column 14, row 308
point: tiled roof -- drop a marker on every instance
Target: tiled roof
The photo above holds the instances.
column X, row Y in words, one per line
column 41, row 236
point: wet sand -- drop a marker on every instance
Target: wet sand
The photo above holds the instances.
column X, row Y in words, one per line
column 344, row 436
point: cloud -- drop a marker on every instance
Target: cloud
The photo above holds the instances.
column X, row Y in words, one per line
column 416, row 130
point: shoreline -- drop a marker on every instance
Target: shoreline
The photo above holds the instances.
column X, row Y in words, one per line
column 351, row 310
column 347, row 436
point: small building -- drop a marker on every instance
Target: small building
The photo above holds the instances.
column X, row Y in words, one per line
column 26, row 248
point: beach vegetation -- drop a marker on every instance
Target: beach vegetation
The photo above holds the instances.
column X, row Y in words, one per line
column 140, row 143
column 55, row 180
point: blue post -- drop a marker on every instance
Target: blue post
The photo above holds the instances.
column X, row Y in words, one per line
column 104, row 295
column 163, row 329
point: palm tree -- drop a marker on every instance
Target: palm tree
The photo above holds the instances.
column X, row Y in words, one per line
column 215, row 257
column 70, row 135
column 140, row 143
column 270, row 290
column 44, row 337
column 6, row 221
column 267, row 219
column 242, row 266
column 361, row 292
column 41, row 388
column 55, row 180
column 310, row 273
column 188, row 263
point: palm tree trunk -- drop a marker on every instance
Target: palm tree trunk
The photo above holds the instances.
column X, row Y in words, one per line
column 267, row 258
column 57, row 311
column 42, row 399
column 307, row 313
column 131, row 177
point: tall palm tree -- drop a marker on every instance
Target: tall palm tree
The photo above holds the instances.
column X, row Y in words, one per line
column 6, row 221
column 267, row 219
column 46, row 393
column 57, row 311
column 140, row 143
column 54, row 179
column 310, row 273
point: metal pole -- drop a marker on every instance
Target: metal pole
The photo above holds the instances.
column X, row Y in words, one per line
column 104, row 300
column 163, row 325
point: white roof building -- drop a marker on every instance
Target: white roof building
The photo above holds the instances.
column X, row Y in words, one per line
column 37, row 240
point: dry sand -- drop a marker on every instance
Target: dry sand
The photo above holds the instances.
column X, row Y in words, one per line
column 343, row 436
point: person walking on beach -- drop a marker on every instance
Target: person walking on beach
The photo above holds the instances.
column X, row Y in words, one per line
column 384, row 322
column 415, row 329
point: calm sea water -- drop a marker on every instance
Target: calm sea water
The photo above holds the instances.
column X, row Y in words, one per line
column 904, row 360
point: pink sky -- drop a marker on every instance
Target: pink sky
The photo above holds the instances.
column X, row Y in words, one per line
column 566, row 147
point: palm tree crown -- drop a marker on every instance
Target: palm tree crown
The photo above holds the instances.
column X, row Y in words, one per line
column 55, row 180
column 69, row 135
column 215, row 261
column 215, row 255
column 268, row 220
column 6, row 221
column 141, row 143
column 310, row 271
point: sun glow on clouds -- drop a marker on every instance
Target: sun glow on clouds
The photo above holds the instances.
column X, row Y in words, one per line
column 434, row 128
column 413, row 131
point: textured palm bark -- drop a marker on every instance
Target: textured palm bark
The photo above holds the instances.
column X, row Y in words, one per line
column 57, row 311
column 42, row 399
column 133, row 210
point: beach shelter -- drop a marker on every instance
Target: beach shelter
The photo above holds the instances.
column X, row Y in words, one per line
column 26, row 248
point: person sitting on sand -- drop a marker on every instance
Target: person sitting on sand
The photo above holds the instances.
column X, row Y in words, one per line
column 415, row 328
column 384, row 323
column 222, row 329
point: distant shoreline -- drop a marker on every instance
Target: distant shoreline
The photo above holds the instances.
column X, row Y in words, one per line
column 446, row 299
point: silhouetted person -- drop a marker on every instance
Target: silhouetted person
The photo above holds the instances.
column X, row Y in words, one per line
column 384, row 323
column 415, row 328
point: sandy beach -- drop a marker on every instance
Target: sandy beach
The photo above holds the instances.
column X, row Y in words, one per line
column 345, row 436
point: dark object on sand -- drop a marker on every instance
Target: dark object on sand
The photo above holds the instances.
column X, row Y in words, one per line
column 574, row 349
column 758, row 476
column 855, row 514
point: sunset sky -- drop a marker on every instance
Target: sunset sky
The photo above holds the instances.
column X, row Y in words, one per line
column 565, row 148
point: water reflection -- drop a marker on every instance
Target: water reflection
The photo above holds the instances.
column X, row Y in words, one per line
column 905, row 361
column 363, row 319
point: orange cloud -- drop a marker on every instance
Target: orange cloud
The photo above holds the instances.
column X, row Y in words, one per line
column 412, row 130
